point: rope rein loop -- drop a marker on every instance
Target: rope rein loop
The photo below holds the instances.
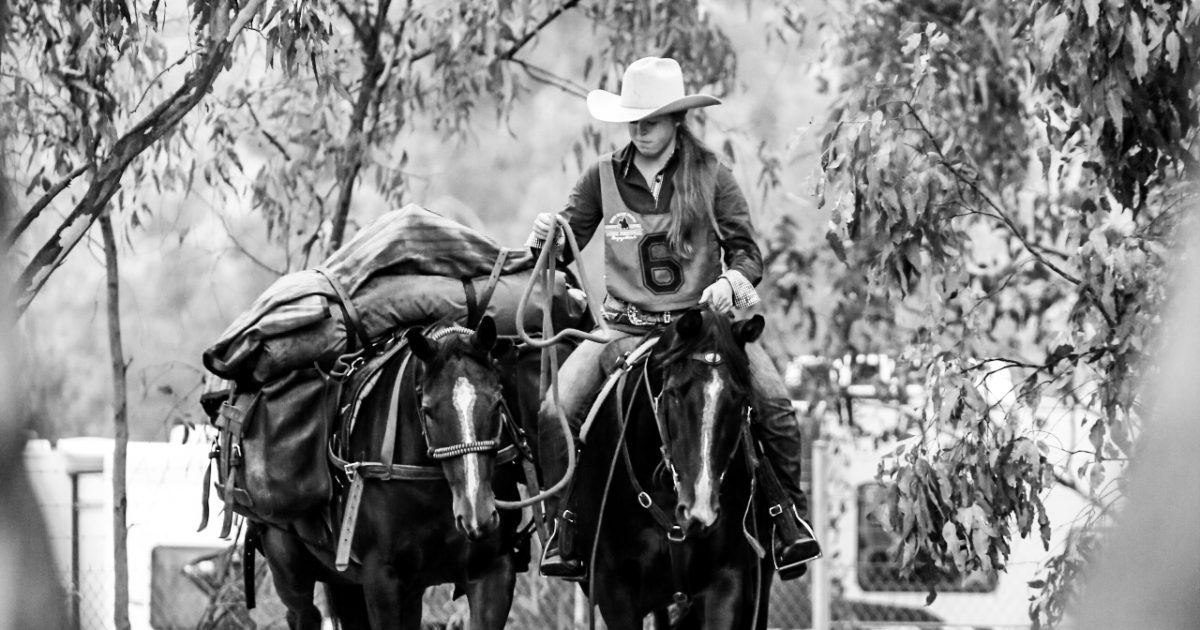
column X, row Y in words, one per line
column 545, row 266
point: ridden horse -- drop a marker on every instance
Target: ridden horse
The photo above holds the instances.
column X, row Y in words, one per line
column 433, row 522
column 677, row 524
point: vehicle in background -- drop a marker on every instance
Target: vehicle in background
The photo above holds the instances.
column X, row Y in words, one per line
column 859, row 418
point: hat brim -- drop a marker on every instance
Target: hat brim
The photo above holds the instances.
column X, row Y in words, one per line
column 606, row 106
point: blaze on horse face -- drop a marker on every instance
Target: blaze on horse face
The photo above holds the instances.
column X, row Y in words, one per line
column 461, row 407
column 706, row 391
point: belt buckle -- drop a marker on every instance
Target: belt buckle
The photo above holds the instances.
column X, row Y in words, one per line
column 635, row 316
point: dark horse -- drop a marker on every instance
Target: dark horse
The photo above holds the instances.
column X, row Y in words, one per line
column 430, row 518
column 677, row 525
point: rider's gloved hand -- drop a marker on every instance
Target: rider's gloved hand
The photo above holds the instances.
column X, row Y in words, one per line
column 718, row 296
column 541, row 228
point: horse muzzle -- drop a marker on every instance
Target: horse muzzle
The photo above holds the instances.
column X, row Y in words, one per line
column 697, row 520
column 476, row 528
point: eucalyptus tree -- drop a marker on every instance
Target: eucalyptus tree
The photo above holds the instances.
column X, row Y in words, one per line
column 336, row 86
column 1011, row 173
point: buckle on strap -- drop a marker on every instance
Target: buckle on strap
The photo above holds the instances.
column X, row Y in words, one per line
column 644, row 500
column 676, row 534
column 775, row 510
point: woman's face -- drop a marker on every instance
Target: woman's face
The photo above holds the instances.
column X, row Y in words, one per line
column 652, row 136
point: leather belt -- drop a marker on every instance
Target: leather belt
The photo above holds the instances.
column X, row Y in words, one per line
column 623, row 312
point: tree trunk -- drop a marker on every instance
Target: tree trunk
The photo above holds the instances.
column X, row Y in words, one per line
column 357, row 138
column 121, row 430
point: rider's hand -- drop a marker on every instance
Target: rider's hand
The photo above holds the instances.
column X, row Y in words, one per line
column 542, row 223
column 718, row 296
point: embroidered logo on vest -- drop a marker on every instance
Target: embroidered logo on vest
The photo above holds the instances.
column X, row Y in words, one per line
column 623, row 226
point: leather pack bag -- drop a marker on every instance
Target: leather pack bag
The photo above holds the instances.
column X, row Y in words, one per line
column 271, row 451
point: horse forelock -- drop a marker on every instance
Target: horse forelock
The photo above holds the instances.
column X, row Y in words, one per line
column 716, row 335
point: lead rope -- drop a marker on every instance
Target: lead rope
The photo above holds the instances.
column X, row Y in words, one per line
column 548, row 381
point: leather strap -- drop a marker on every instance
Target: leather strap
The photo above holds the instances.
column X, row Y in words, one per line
column 353, row 323
column 676, row 537
column 473, row 314
column 349, row 521
column 486, row 297
column 388, row 449
column 408, row 472
column 250, row 544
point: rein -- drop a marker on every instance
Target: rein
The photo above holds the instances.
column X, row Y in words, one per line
column 548, row 381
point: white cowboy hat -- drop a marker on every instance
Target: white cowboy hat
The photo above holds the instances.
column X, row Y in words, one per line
column 652, row 86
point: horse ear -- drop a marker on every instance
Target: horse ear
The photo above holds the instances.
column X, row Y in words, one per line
column 690, row 324
column 748, row 330
column 485, row 333
column 420, row 345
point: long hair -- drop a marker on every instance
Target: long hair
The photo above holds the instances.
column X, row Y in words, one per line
column 692, row 201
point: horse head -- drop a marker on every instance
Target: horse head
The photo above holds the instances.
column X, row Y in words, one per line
column 462, row 415
column 703, row 401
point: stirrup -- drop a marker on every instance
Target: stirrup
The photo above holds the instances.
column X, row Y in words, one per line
column 792, row 557
column 552, row 563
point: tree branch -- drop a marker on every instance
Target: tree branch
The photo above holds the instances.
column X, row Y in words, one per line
column 550, row 17
column 245, row 252
column 165, row 117
column 545, row 76
column 266, row 134
column 41, row 204
column 1000, row 215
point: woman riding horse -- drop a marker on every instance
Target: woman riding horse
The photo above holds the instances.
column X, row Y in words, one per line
column 676, row 516
column 671, row 215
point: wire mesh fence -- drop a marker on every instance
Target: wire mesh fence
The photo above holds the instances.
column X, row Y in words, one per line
column 182, row 579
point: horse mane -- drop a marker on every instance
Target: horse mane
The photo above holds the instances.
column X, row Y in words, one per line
column 715, row 334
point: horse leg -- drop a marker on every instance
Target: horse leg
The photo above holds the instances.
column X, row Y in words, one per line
column 725, row 604
column 617, row 603
column 292, row 571
column 391, row 605
column 491, row 595
column 348, row 606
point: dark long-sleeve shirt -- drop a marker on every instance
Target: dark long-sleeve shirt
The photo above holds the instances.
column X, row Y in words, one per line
column 585, row 212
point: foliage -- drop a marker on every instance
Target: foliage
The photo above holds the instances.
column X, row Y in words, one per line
column 74, row 84
column 1012, row 171
column 346, row 82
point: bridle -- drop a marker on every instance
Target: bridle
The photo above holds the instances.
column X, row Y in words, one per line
column 711, row 358
column 676, row 535
column 459, row 449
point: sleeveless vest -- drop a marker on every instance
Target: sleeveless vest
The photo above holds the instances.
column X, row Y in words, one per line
column 639, row 267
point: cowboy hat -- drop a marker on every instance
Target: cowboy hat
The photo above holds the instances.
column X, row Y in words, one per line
column 652, row 86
